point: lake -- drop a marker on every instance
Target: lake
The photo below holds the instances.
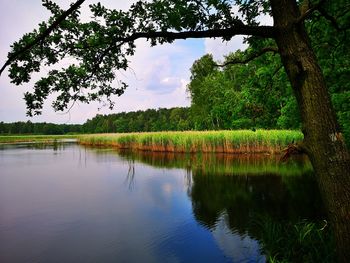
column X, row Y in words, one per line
column 69, row 203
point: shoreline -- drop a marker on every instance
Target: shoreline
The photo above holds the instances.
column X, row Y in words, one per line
column 224, row 141
column 235, row 142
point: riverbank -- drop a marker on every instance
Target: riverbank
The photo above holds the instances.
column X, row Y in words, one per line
column 35, row 138
column 238, row 141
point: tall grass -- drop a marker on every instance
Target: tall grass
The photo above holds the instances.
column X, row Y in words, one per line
column 239, row 141
column 303, row 241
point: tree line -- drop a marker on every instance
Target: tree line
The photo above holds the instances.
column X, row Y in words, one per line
column 28, row 127
column 162, row 119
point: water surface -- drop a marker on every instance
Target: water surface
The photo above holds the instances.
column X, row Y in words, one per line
column 67, row 203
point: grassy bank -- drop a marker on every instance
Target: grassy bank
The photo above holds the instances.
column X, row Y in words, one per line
column 240, row 141
column 34, row 138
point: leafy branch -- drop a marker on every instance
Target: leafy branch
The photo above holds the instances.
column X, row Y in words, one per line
column 249, row 57
column 41, row 37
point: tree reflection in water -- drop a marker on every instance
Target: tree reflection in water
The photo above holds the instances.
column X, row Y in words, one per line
column 236, row 192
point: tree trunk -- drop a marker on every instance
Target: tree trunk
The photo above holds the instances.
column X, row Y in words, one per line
column 323, row 140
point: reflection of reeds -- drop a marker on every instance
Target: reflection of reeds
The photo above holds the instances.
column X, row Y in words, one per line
column 130, row 178
column 223, row 164
column 240, row 141
column 39, row 145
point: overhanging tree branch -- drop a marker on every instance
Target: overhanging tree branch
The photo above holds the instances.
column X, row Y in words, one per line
column 260, row 31
column 163, row 36
column 250, row 57
column 43, row 35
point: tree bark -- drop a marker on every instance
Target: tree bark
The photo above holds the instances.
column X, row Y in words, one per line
column 322, row 137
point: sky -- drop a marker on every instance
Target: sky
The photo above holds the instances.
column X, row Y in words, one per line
column 157, row 77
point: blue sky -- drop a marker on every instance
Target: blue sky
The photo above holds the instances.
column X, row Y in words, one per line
column 157, row 76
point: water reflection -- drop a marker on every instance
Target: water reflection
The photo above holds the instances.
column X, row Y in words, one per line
column 67, row 203
column 55, row 145
column 223, row 164
column 231, row 193
column 130, row 177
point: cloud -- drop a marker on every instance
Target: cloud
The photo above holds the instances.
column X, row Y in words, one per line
column 161, row 68
column 154, row 73
column 265, row 20
column 219, row 49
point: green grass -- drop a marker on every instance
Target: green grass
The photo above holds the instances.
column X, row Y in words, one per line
column 238, row 141
column 303, row 241
column 34, row 138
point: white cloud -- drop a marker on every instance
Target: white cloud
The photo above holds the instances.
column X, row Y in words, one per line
column 219, row 49
column 265, row 20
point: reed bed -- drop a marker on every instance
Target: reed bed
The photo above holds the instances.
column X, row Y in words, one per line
column 239, row 141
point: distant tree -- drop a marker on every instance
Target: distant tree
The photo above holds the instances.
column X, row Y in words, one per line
column 2, row 127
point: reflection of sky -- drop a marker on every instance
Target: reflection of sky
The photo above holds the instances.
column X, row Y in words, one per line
column 74, row 205
column 238, row 248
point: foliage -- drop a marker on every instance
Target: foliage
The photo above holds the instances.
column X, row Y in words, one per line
column 330, row 42
column 248, row 96
column 174, row 119
column 257, row 94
